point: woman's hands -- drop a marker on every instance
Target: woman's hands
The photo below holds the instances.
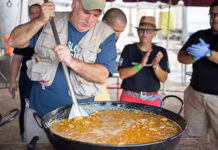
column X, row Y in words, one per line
column 157, row 59
column 145, row 59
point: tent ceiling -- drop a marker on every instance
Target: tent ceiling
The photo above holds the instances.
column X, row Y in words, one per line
column 174, row 2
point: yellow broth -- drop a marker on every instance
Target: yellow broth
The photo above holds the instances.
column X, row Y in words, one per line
column 117, row 127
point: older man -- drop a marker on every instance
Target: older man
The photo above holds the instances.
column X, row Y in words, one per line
column 201, row 97
column 88, row 49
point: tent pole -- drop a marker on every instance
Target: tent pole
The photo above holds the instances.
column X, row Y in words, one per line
column 167, row 42
column 184, row 38
column 130, row 22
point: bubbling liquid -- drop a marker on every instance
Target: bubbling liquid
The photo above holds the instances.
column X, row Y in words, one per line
column 117, row 127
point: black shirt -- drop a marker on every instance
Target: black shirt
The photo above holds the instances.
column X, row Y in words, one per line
column 27, row 53
column 205, row 72
column 144, row 80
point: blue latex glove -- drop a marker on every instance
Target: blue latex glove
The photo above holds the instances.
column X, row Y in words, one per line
column 195, row 58
column 199, row 50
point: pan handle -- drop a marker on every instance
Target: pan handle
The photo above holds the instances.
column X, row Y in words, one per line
column 14, row 113
column 40, row 121
column 42, row 124
column 176, row 97
column 32, row 143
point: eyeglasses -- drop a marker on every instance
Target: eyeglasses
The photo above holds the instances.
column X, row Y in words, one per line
column 148, row 31
column 213, row 15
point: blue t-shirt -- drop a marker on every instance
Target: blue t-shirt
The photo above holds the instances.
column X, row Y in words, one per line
column 57, row 95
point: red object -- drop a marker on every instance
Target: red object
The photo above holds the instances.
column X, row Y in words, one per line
column 8, row 49
column 175, row 2
column 117, row 87
column 128, row 98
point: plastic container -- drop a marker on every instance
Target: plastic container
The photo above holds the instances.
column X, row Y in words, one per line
column 8, row 49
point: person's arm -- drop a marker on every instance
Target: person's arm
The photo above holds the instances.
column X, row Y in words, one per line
column 184, row 57
column 198, row 51
column 127, row 72
column 20, row 37
column 93, row 72
column 214, row 56
column 158, row 71
column 14, row 69
column 130, row 71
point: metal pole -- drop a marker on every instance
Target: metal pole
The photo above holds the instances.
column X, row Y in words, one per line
column 130, row 22
column 184, row 37
column 168, row 29
column 21, row 11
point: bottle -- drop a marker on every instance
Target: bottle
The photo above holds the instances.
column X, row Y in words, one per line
column 8, row 49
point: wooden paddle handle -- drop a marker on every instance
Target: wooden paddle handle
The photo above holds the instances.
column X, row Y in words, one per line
column 66, row 73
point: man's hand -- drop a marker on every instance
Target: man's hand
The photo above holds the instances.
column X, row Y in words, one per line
column 199, row 50
column 47, row 11
column 12, row 89
column 63, row 54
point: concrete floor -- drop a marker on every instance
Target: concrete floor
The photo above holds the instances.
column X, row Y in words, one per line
column 9, row 133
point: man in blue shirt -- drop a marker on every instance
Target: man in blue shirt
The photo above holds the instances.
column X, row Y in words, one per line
column 82, row 19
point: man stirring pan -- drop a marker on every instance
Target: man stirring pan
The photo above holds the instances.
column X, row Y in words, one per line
column 88, row 49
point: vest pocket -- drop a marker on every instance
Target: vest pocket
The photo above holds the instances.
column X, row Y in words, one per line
column 42, row 71
column 86, row 53
column 46, row 42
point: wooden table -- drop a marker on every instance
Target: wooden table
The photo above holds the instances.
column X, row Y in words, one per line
column 184, row 144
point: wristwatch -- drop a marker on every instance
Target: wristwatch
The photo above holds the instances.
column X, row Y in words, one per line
column 156, row 67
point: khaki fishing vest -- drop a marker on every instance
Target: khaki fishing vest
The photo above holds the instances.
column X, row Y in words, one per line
column 43, row 65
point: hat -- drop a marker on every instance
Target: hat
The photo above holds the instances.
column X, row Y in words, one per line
column 147, row 20
column 32, row 2
column 93, row 4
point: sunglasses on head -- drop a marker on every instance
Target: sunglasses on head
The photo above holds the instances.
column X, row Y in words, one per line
column 148, row 31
